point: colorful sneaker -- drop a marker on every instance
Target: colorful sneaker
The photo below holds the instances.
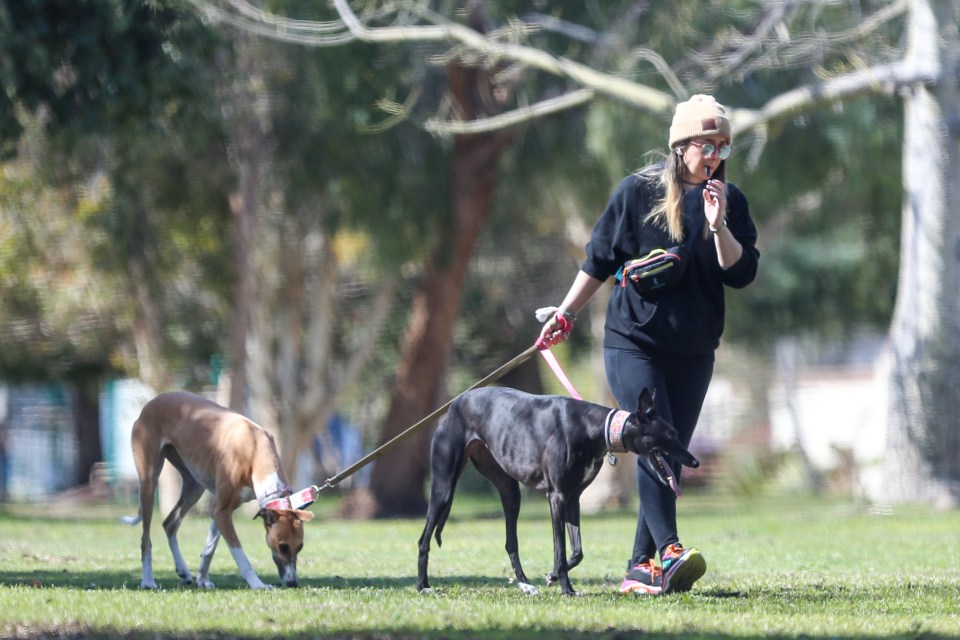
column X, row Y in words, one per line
column 681, row 568
column 644, row 577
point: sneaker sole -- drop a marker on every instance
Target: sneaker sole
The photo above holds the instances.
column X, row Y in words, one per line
column 682, row 578
column 638, row 588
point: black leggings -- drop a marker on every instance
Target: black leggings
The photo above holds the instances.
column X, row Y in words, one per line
column 680, row 384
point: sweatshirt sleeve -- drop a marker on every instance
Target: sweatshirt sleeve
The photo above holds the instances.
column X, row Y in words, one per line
column 611, row 233
column 741, row 226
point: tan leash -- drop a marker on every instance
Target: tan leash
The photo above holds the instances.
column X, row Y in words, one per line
column 376, row 453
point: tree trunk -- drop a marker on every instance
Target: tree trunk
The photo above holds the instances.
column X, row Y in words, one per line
column 398, row 476
column 397, row 479
column 86, row 418
column 248, row 141
column 923, row 442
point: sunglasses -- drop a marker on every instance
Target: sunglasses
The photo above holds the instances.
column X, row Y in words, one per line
column 708, row 149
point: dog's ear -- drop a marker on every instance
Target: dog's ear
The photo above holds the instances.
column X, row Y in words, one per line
column 647, row 402
column 306, row 516
column 269, row 516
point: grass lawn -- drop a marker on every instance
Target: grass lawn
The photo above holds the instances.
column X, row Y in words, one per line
column 777, row 567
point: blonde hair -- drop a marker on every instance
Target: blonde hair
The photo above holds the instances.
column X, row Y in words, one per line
column 667, row 214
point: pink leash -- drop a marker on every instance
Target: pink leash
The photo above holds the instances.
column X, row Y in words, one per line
column 556, row 368
column 558, row 371
column 566, row 326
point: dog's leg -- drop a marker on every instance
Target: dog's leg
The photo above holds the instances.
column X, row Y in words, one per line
column 447, row 458
column 557, row 513
column 203, row 573
column 149, row 461
column 572, row 519
column 189, row 495
column 573, row 532
column 223, row 517
column 509, row 490
column 147, row 489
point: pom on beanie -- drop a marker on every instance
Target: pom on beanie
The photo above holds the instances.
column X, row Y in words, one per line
column 701, row 115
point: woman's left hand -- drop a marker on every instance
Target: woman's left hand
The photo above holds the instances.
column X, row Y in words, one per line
column 715, row 202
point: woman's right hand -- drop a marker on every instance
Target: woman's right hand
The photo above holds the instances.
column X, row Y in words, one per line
column 556, row 329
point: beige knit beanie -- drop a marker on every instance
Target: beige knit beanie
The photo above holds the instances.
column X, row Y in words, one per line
column 701, row 115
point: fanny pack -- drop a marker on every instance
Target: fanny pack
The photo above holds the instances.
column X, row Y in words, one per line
column 658, row 270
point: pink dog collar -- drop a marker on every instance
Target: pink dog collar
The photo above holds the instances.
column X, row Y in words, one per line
column 299, row 500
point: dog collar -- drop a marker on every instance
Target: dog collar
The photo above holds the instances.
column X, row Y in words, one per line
column 270, row 489
column 299, row 500
column 613, row 430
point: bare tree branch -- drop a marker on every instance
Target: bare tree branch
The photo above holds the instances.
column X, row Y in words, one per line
column 504, row 45
column 602, row 83
column 268, row 25
column 772, row 44
column 511, row 118
column 880, row 78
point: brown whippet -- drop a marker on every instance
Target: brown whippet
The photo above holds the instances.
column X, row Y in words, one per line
column 235, row 459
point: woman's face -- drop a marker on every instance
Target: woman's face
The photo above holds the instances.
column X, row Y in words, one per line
column 700, row 161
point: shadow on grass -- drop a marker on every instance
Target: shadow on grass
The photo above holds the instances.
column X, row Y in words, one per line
column 534, row 633
column 128, row 580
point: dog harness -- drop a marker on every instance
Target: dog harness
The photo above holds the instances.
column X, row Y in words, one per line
column 613, row 433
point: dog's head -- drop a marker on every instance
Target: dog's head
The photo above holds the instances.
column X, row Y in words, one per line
column 284, row 529
column 651, row 437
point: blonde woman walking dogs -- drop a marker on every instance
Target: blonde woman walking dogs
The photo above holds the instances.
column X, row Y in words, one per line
column 674, row 236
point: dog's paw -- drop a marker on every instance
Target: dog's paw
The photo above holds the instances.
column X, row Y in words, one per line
column 527, row 588
column 550, row 578
column 425, row 591
column 149, row 585
column 205, row 584
column 185, row 578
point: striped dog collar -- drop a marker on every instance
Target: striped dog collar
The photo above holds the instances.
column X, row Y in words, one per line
column 613, row 430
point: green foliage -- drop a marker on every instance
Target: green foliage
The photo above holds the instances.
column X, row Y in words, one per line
column 777, row 567
column 56, row 319
column 827, row 200
column 91, row 65
column 121, row 89
column 333, row 161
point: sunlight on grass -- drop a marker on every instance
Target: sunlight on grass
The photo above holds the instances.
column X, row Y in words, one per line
column 777, row 567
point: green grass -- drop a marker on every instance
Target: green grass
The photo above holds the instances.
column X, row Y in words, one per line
column 784, row 567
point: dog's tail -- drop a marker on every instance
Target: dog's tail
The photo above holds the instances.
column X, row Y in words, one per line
column 132, row 520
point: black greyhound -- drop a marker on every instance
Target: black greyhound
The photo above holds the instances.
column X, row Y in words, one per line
column 552, row 443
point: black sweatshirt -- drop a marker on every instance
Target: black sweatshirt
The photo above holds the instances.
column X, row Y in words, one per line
column 688, row 317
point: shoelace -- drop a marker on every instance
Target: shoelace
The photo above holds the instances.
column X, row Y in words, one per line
column 651, row 567
column 673, row 551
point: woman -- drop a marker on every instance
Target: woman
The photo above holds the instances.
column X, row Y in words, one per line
column 665, row 339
